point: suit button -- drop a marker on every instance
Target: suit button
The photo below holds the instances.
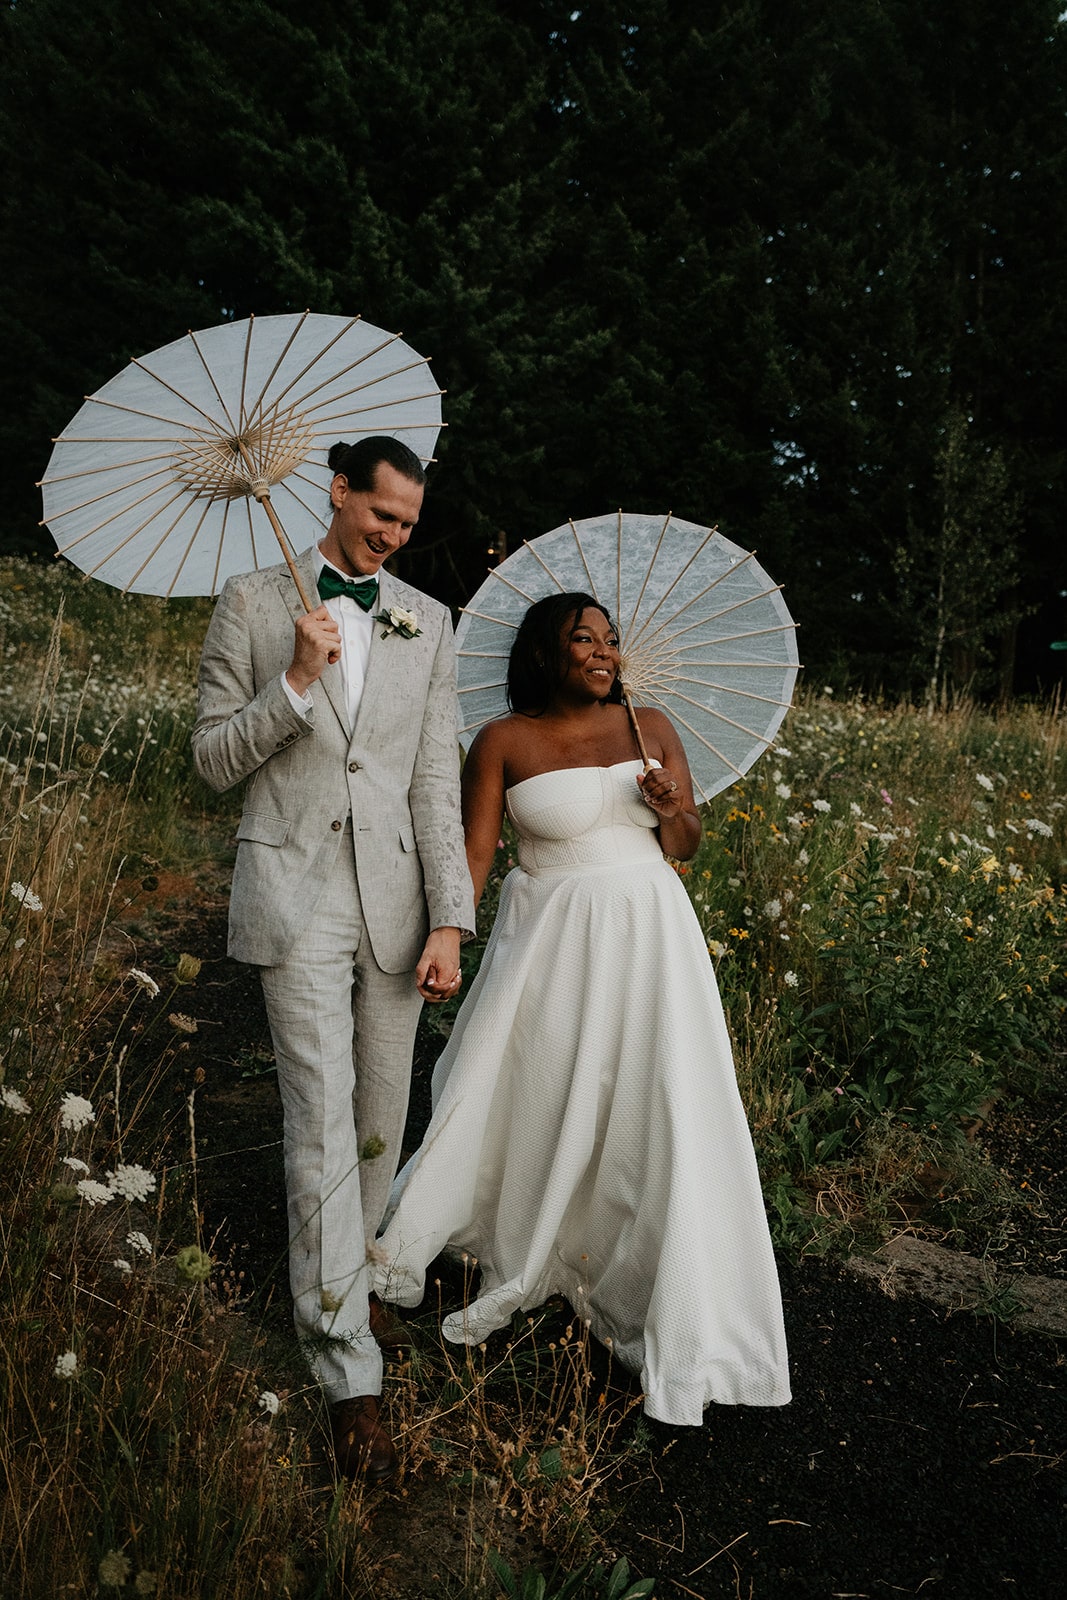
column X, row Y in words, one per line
column 353, row 766
column 336, row 826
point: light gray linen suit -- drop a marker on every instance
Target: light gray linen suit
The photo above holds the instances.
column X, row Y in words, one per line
column 350, row 848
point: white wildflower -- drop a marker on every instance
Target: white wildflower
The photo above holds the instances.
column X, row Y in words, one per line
column 772, row 909
column 131, row 1182
column 856, row 810
column 75, row 1165
column 806, row 906
column 802, row 858
column 987, row 783
column 716, row 948
column 142, row 979
column 783, row 791
column 19, row 943
column 269, row 1402
column 139, row 1243
column 14, row 1101
column 820, row 805
column 66, row 1365
column 1035, row 825
column 114, row 1569
column 734, row 883
column 123, row 1266
column 75, row 1112
column 31, row 901
column 790, row 980
column 780, row 750
column 796, row 819
column 93, row 1193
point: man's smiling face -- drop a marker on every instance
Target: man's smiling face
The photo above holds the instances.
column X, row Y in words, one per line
column 370, row 525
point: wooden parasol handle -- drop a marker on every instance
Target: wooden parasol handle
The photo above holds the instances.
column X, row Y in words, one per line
column 264, row 500
column 633, row 724
column 260, row 490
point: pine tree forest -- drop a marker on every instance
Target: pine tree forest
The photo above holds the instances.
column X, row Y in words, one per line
column 794, row 270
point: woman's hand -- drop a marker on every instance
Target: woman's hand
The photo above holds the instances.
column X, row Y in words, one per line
column 668, row 790
column 661, row 792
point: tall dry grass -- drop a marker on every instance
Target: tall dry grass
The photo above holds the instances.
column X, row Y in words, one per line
column 153, row 1438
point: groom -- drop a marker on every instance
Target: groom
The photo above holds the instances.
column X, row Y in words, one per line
column 350, row 889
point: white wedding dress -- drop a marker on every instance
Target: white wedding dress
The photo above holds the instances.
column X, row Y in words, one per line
column 587, row 1136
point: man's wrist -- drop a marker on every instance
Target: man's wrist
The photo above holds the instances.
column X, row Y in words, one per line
column 299, row 699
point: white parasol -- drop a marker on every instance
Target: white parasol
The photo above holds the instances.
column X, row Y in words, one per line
column 150, row 487
column 704, row 633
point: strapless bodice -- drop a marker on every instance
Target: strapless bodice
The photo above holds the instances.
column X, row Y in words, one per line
column 582, row 817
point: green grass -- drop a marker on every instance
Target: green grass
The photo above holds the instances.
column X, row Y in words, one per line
column 883, row 901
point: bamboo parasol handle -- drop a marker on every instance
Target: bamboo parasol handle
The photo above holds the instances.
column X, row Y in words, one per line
column 632, row 714
column 260, row 490
column 264, row 500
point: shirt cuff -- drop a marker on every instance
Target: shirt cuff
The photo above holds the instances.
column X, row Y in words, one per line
column 302, row 704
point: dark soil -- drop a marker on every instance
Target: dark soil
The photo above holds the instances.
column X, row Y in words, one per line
column 923, row 1452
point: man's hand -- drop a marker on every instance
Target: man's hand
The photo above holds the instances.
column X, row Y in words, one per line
column 437, row 976
column 317, row 642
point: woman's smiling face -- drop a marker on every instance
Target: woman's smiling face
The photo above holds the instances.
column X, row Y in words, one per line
column 589, row 655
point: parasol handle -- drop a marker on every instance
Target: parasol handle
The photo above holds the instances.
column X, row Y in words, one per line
column 264, row 499
column 260, row 490
column 632, row 714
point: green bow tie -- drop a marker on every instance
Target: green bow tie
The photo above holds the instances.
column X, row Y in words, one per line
column 331, row 584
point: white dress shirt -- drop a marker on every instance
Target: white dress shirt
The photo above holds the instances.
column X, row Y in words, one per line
column 357, row 628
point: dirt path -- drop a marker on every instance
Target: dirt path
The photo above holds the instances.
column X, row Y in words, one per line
column 924, row 1452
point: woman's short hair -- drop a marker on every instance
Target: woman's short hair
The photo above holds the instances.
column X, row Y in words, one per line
column 359, row 462
column 535, row 666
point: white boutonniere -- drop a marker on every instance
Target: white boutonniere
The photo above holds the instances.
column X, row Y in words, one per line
column 398, row 620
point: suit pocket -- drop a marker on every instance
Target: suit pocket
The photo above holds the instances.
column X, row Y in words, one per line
column 260, row 828
column 407, row 837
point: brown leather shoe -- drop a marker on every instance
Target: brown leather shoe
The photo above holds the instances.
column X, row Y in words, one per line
column 386, row 1328
column 361, row 1446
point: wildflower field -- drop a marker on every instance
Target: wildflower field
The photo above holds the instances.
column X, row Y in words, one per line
column 883, row 900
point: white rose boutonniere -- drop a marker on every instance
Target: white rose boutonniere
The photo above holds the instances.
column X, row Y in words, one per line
column 398, row 620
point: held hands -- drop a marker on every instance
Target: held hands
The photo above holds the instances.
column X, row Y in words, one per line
column 660, row 792
column 317, row 643
column 437, row 976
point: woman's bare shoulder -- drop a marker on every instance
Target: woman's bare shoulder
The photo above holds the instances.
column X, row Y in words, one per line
column 497, row 739
column 655, row 723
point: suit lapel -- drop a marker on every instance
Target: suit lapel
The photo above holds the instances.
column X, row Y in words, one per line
column 331, row 679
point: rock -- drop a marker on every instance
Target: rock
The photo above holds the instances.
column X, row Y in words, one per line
column 906, row 1265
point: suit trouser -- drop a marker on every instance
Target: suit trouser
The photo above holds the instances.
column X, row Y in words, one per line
column 343, row 1033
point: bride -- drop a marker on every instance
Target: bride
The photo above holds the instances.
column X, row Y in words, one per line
column 587, row 1136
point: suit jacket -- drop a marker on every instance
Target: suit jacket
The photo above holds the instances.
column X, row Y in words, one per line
column 396, row 773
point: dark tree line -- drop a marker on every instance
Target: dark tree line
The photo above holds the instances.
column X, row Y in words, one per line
column 796, row 270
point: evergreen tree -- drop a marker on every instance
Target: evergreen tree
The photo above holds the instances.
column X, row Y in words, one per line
column 739, row 261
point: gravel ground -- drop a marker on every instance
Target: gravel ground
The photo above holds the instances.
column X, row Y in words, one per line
column 922, row 1452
